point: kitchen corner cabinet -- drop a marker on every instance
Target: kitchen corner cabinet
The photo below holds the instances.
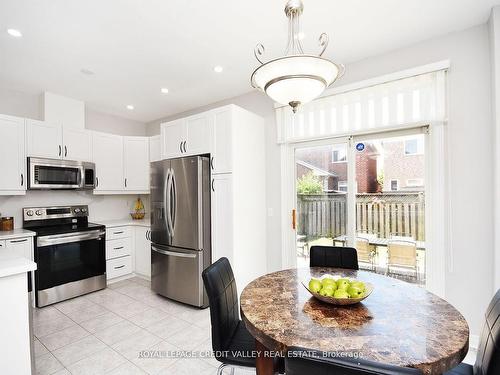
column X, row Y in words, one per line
column 107, row 150
column 54, row 141
column 222, row 217
column 142, row 251
column 136, row 163
column 13, row 179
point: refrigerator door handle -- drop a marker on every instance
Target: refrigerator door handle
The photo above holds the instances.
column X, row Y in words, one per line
column 166, row 200
column 172, row 253
column 169, row 202
column 173, row 213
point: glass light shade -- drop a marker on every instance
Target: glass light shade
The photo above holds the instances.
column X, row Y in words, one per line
column 296, row 78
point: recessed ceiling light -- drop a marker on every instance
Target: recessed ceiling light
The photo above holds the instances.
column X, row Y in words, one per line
column 218, row 69
column 130, row 107
column 164, row 90
column 87, row 72
column 15, row 33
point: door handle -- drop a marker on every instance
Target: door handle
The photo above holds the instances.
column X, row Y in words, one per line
column 18, row 241
column 294, row 219
column 180, row 146
column 22, row 179
column 118, row 248
column 118, row 232
column 184, row 143
column 125, row 182
column 213, row 186
column 212, row 163
column 117, row 268
column 59, row 150
column 65, row 151
column 96, row 181
column 172, row 253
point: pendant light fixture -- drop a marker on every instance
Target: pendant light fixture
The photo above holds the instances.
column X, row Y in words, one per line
column 297, row 77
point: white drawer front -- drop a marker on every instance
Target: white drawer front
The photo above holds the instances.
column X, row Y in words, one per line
column 118, row 248
column 118, row 267
column 2, row 245
column 118, row 232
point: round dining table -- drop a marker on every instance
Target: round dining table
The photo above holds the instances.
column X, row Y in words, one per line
column 398, row 323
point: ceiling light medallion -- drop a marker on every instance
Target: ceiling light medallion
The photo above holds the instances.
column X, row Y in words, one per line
column 297, row 77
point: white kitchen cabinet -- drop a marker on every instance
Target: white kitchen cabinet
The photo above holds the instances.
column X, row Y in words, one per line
column 44, row 140
column 173, row 135
column 77, row 144
column 136, row 163
column 142, row 251
column 198, row 129
column 221, row 158
column 107, row 151
column 155, row 148
column 222, row 217
column 20, row 246
column 13, row 179
column 118, row 267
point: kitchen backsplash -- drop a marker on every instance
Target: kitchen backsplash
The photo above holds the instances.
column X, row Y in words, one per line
column 101, row 207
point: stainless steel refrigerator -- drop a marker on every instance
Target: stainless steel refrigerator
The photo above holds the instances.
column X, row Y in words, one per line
column 180, row 228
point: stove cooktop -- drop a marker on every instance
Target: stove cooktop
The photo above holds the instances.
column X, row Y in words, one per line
column 67, row 228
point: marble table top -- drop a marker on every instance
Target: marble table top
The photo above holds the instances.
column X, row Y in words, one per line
column 399, row 323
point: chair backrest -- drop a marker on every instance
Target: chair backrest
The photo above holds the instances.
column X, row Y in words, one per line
column 488, row 353
column 363, row 249
column 402, row 253
column 302, row 361
column 223, row 299
column 334, row 256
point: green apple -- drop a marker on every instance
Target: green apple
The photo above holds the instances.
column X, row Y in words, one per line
column 354, row 291
column 340, row 293
column 328, row 291
column 315, row 285
column 359, row 284
column 342, row 284
column 328, row 281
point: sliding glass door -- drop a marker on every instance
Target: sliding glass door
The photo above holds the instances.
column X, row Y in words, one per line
column 367, row 192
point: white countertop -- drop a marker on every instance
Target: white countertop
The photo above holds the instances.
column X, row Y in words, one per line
column 124, row 222
column 16, row 233
column 14, row 264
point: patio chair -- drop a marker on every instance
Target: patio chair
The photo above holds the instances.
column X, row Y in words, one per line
column 402, row 254
column 365, row 252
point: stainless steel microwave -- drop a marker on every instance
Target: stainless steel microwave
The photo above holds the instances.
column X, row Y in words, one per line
column 60, row 174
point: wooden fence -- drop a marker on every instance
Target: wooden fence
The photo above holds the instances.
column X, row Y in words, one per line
column 383, row 214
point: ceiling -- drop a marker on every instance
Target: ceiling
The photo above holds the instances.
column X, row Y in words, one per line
column 136, row 47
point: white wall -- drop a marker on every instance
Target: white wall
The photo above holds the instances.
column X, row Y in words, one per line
column 494, row 24
column 21, row 104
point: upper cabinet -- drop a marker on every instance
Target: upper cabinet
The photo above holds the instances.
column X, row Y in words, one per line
column 48, row 140
column 77, row 144
column 107, row 150
column 222, row 144
column 187, row 136
column 12, row 156
column 44, row 140
column 136, row 163
column 154, row 148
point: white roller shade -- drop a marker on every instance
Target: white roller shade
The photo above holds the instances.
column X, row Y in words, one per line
column 394, row 104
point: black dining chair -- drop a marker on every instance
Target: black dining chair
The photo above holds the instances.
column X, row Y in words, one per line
column 488, row 353
column 301, row 361
column 334, row 256
column 229, row 334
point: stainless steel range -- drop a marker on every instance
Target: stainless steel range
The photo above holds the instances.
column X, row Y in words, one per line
column 69, row 252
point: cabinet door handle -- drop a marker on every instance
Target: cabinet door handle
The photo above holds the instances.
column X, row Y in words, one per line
column 117, row 268
column 213, row 182
column 17, row 241
column 22, row 179
column 180, row 147
column 125, row 182
column 212, row 163
column 185, row 149
column 118, row 232
column 96, row 181
column 60, row 150
column 118, row 248
column 65, row 151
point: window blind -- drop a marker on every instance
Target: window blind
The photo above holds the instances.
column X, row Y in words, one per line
column 393, row 104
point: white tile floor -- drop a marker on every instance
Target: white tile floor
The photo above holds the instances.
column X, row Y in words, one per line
column 103, row 333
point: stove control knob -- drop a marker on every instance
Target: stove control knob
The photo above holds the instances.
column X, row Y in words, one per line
column 38, row 212
column 84, row 210
column 29, row 213
column 77, row 210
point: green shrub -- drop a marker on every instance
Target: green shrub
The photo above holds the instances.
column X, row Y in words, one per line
column 309, row 184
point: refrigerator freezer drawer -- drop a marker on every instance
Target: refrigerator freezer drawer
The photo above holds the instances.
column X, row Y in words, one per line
column 176, row 274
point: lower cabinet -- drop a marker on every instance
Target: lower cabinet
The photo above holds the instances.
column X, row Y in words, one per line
column 19, row 246
column 128, row 251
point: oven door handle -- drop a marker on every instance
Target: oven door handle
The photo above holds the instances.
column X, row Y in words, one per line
column 69, row 238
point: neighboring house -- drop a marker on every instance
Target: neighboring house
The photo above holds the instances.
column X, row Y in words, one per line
column 404, row 164
column 330, row 164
